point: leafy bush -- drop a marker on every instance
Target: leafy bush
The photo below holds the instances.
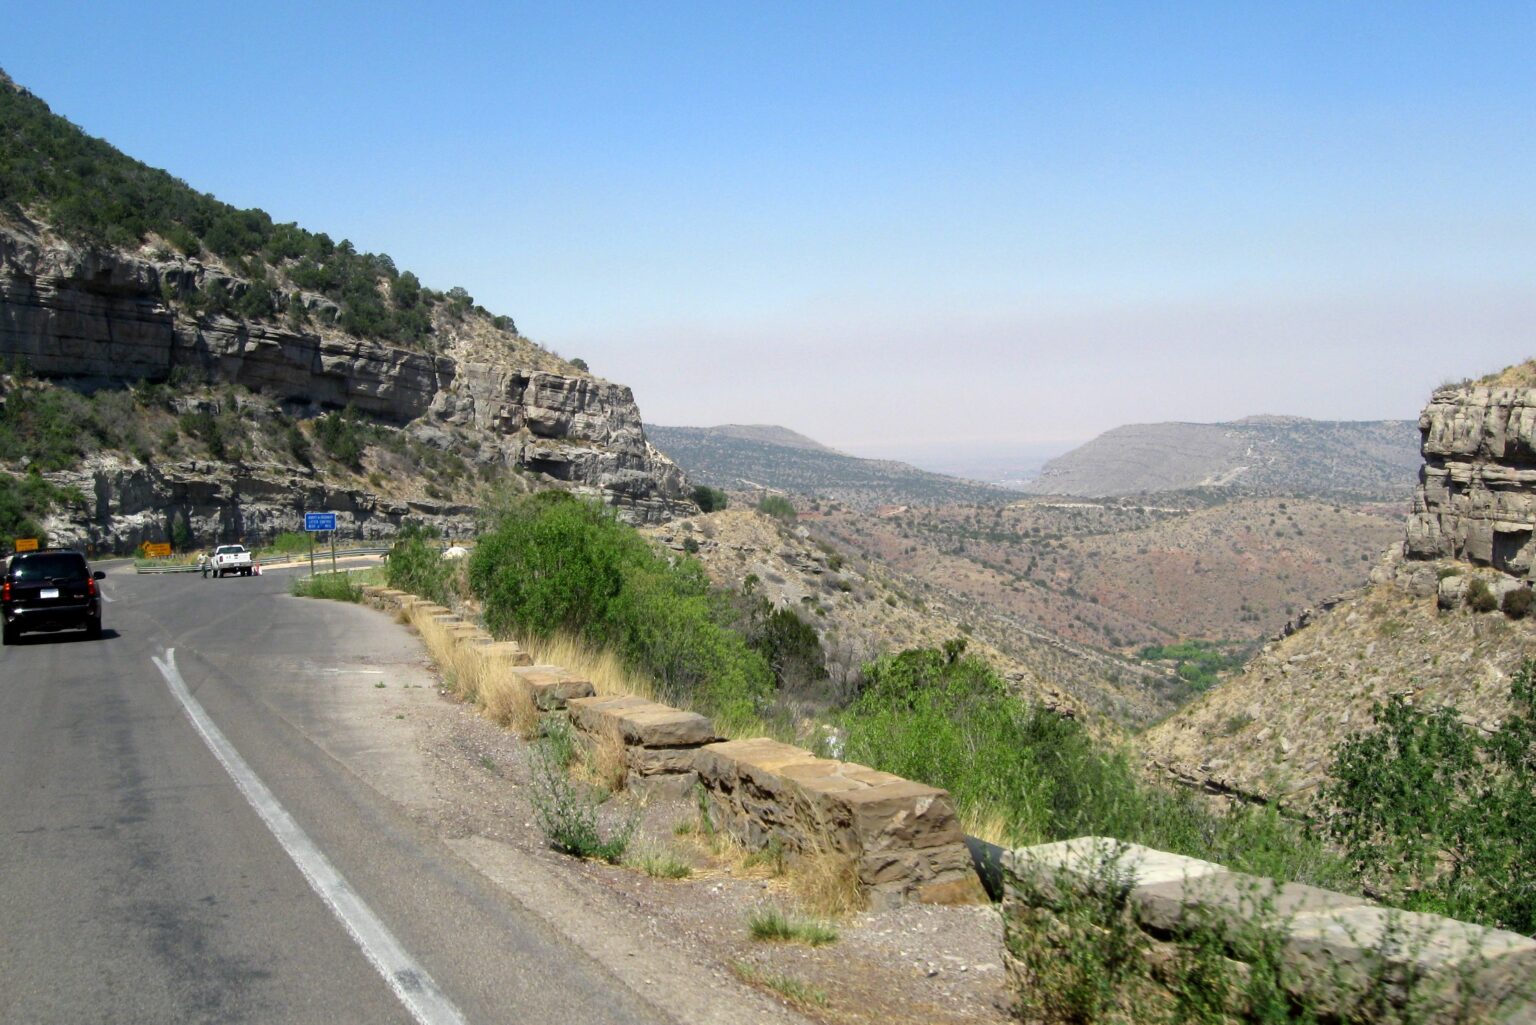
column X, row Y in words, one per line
column 948, row 720
column 1517, row 603
column 568, row 813
column 710, row 499
column 24, row 501
column 1198, row 663
column 50, row 427
column 415, row 565
column 1480, row 596
column 343, row 435
column 555, row 564
column 1439, row 816
column 777, row 506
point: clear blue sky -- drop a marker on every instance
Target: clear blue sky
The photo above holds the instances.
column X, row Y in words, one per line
column 899, row 228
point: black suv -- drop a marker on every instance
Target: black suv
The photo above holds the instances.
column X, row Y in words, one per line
column 52, row 590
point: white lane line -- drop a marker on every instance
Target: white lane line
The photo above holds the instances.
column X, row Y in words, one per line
column 410, row 982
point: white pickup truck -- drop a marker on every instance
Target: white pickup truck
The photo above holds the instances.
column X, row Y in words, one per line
column 229, row 559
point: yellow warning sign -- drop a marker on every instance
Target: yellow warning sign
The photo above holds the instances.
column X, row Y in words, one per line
column 26, row 544
column 158, row 550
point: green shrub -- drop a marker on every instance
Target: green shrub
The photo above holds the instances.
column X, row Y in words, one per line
column 1438, row 816
column 568, row 812
column 1480, row 596
column 416, row 565
column 343, row 436
column 949, row 721
column 24, row 502
column 710, row 499
column 1517, row 603
column 1198, row 663
column 777, row 506
column 290, row 542
column 555, row 564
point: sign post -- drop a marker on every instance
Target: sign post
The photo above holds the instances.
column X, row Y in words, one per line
column 314, row 522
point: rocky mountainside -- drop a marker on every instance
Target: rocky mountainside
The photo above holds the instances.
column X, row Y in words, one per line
column 1369, row 459
column 775, row 458
column 228, row 315
column 1444, row 620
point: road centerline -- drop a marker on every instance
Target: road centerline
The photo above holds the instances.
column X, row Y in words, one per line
column 406, row 978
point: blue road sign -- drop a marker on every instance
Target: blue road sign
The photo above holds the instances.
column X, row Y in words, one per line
column 319, row 521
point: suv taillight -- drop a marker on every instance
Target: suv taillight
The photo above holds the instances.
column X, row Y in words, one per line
column 5, row 591
column 90, row 587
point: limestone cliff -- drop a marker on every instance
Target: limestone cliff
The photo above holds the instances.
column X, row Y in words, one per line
column 1476, row 499
column 95, row 317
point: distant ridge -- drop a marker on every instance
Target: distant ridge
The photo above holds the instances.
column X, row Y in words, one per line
column 1273, row 455
column 770, row 434
column 738, row 457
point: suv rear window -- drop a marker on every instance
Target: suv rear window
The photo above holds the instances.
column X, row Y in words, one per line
column 48, row 566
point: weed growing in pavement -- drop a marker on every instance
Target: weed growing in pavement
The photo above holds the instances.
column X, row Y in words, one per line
column 661, row 864
column 772, row 925
column 566, row 810
column 788, row 987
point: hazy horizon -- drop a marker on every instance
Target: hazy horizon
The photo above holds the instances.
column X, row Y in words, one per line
column 892, row 229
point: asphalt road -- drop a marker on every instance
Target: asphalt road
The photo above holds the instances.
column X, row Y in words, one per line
column 139, row 882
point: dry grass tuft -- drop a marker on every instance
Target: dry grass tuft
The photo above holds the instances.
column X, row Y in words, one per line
column 604, row 760
column 602, row 667
column 987, row 824
column 478, row 679
column 826, row 882
column 508, row 701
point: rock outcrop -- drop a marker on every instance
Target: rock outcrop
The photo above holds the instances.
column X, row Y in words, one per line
column 127, row 502
column 101, row 317
column 1476, row 500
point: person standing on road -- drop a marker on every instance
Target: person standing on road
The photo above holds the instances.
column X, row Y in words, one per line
column 202, row 563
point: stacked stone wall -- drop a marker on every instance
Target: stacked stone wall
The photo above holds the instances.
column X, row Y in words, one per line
column 902, row 838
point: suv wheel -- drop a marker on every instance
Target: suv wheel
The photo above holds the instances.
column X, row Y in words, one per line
column 10, row 634
column 93, row 627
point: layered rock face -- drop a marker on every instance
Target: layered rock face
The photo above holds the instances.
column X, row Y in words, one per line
column 127, row 503
column 101, row 317
column 1476, row 499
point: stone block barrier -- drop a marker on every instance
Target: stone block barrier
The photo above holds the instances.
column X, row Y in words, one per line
column 1346, row 957
column 660, row 742
column 902, row 838
column 552, row 686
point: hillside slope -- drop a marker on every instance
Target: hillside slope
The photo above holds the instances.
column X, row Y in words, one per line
column 1272, row 731
column 734, row 459
column 1429, row 626
column 1371, row 459
column 268, row 368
